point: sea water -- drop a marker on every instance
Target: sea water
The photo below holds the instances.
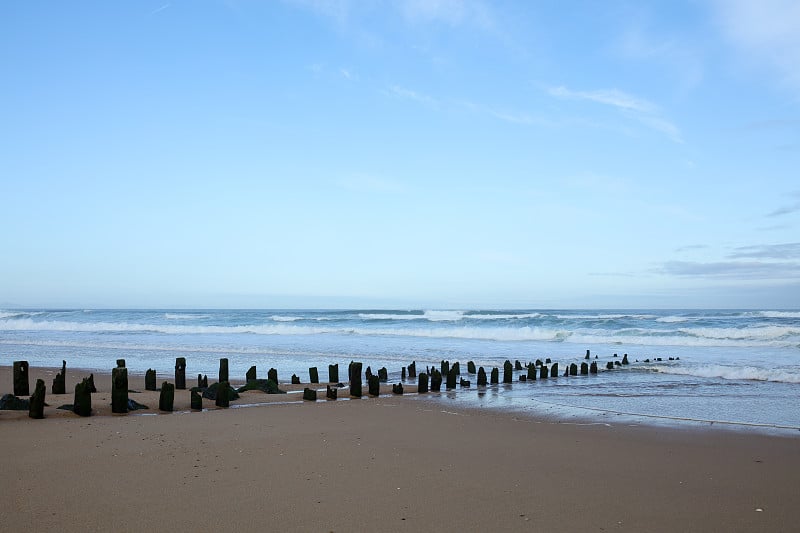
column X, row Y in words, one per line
column 738, row 368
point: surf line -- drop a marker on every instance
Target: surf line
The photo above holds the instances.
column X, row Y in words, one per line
column 677, row 418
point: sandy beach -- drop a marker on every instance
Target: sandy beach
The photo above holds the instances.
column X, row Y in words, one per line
column 390, row 463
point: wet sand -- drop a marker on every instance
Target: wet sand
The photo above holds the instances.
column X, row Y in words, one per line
column 389, row 464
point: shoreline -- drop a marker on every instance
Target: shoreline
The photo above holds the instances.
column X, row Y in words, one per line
column 393, row 463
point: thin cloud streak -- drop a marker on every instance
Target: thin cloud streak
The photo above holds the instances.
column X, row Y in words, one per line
column 790, row 250
column 744, row 270
column 787, row 209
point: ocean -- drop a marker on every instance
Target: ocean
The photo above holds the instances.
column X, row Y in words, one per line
column 737, row 369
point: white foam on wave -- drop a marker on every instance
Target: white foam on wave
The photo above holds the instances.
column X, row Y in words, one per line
column 673, row 319
column 278, row 318
column 779, row 314
column 184, row 316
column 433, row 316
column 613, row 316
column 510, row 316
column 749, row 333
column 740, row 372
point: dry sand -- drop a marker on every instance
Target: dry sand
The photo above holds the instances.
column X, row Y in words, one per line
column 379, row 464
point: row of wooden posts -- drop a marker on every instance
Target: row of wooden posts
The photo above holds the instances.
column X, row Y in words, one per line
column 430, row 380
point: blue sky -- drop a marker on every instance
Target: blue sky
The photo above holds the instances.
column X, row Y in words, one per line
column 406, row 153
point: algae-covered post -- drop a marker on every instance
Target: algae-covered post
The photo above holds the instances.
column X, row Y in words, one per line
column 21, row 383
column 60, row 381
column 119, row 390
column 252, row 374
column 223, row 369
column 272, row 374
column 120, row 363
column 36, row 408
column 180, row 373
column 166, row 399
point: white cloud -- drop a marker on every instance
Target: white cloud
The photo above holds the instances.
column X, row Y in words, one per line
column 639, row 109
column 768, row 31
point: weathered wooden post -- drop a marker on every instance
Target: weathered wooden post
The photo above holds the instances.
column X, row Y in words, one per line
column 436, row 380
column 167, row 397
column 82, row 405
column 609, row 366
column 368, row 372
column 523, row 377
column 333, row 373
column 422, row 387
column 463, row 383
column 119, row 390
column 531, row 372
column 354, row 372
column 223, row 369
column 90, row 379
column 60, row 381
column 223, row 394
column 197, row 401
column 331, row 393
column 397, row 389
column 470, row 367
column 573, row 369
column 150, row 379
column 584, row 369
column 593, row 367
column 412, row 370
column 587, row 354
column 36, row 408
column 508, row 371
column 21, row 383
column 295, row 379
column 180, row 373
column 444, row 368
column 310, row 394
column 403, row 374
column 494, row 377
column 481, row 377
column 517, row 365
column 202, row 381
column 272, row 374
column 553, row 370
column 374, row 384
column 252, row 374
column 383, row 374
column 543, row 372
column 451, row 378
column 313, row 375
column 120, row 363
column 624, row 359
column 457, row 367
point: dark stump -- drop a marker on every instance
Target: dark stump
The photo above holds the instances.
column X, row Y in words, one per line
column 60, row 381
column 333, row 373
column 354, row 372
column 436, row 380
column 544, row 372
column 36, row 409
column 82, row 406
column 451, row 378
column 313, row 375
column 197, row 400
column 374, row 385
column 21, row 384
column 508, row 372
column 272, row 374
column 180, row 373
column 252, row 374
column 223, row 394
column 470, row 367
column 223, row 370
column 422, row 387
column 150, row 379
column 331, row 393
column 397, row 389
column 494, row 376
column 310, row 394
column 119, row 390
column 412, row 370
column 481, row 377
column 167, row 398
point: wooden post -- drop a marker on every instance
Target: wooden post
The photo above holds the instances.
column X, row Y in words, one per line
column 517, row 365
column 150, row 379
column 119, row 390
column 624, row 359
column 383, row 374
column 354, row 372
column 180, row 373
column 167, row 397
column 223, row 369
column 593, row 367
column 252, row 374
column 310, row 394
column 412, row 370
column 333, row 373
column 544, row 371
column 295, row 379
column 423, row 383
column 531, row 372
column 463, row 383
column 90, row 379
column 197, row 401
column 457, row 367
column 374, row 384
column 494, row 378
column 403, row 374
column 273, row 375
column 60, row 381
column 313, row 375
column 21, row 383
column 444, row 367
column 331, row 393
column 584, row 369
column 82, row 405
column 223, row 394
column 587, row 354
column 573, row 369
column 553, row 370
column 508, row 371
column 609, row 366
column 36, row 408
column 397, row 389
column 451, row 378
column 470, row 367
column 436, row 380
column 481, row 377
column 120, row 363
